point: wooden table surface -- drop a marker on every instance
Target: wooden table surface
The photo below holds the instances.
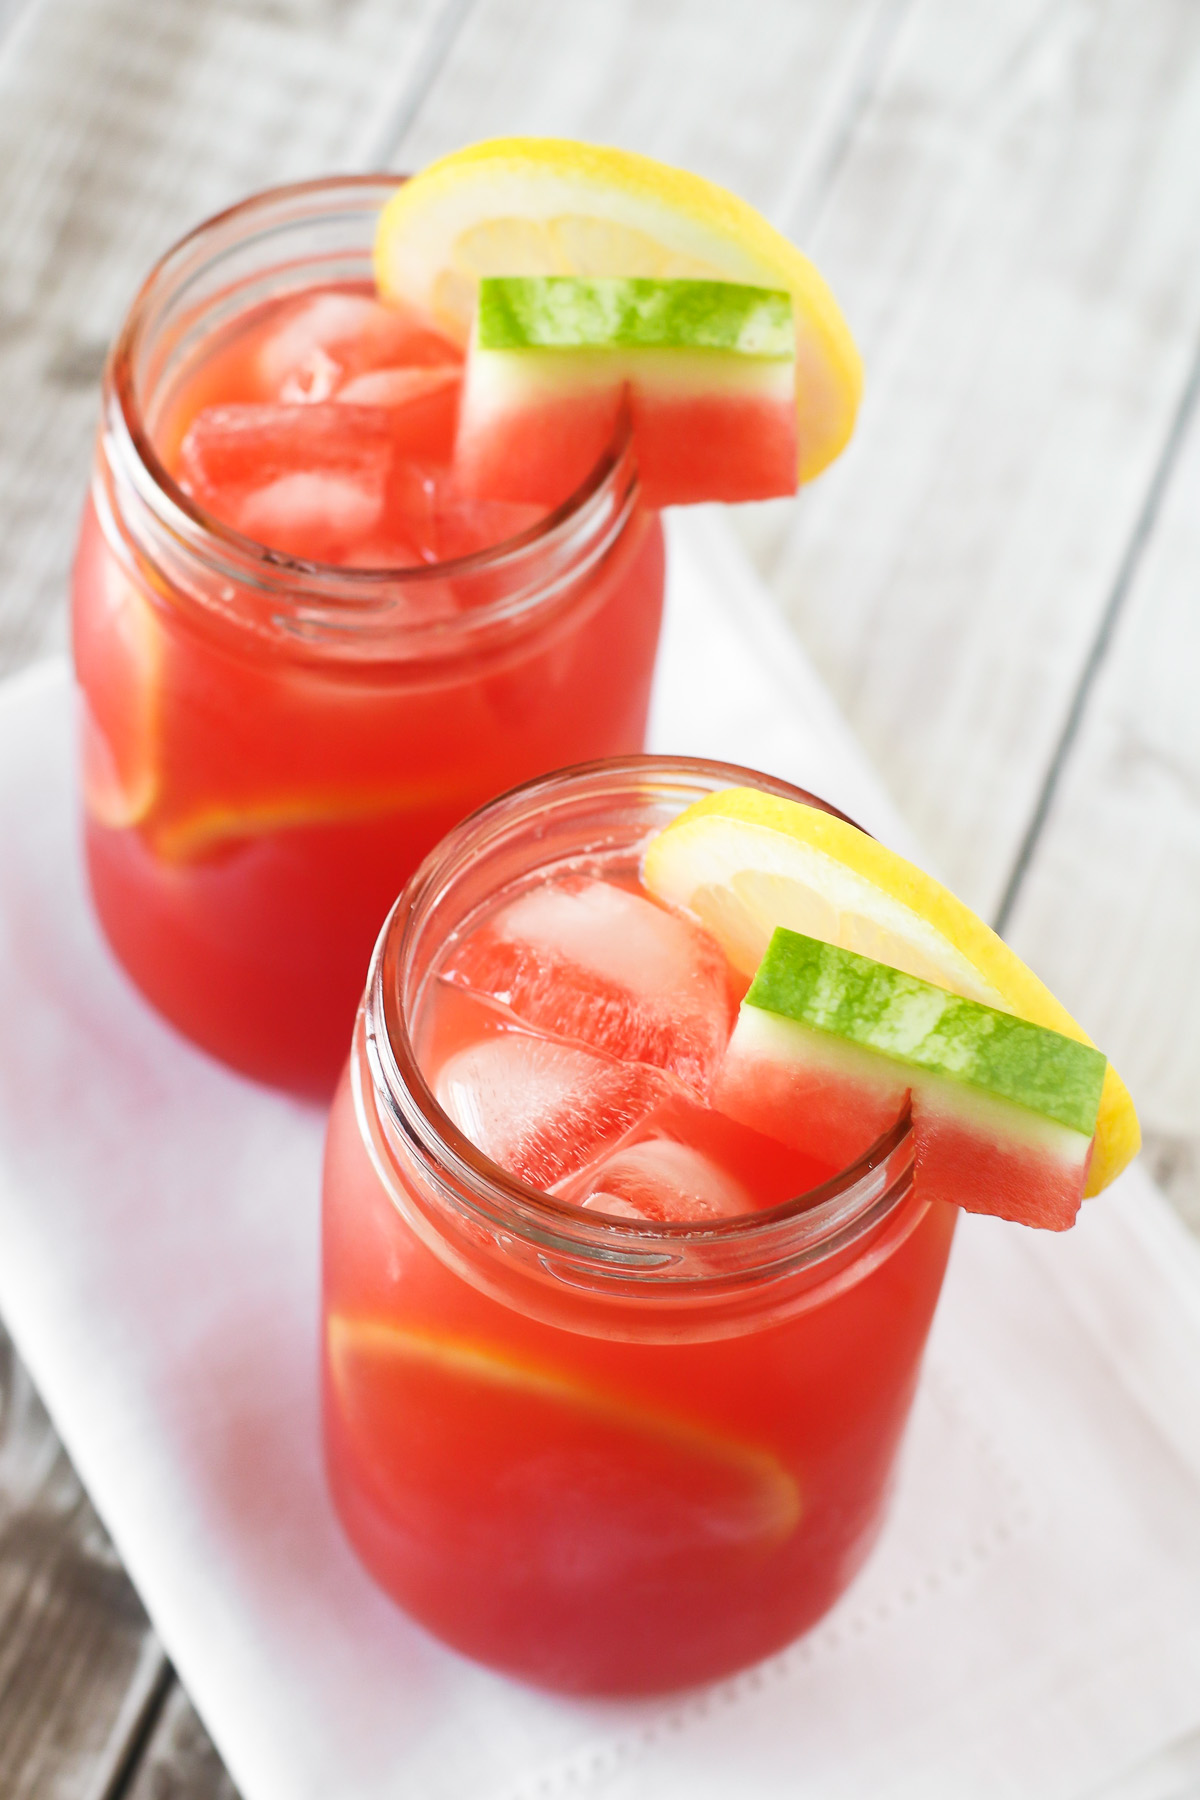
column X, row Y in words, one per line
column 999, row 582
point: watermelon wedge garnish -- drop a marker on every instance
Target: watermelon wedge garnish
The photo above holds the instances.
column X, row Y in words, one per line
column 538, row 206
column 829, row 1043
column 706, row 370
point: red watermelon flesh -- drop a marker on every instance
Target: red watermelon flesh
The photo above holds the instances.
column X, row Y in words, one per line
column 823, row 1098
column 557, row 366
column 829, row 1044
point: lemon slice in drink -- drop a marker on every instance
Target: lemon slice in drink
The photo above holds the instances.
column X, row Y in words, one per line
column 214, row 827
column 745, row 862
column 468, row 1426
column 551, row 206
column 118, row 659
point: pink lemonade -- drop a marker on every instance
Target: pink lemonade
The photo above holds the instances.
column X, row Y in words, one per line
column 614, row 1384
column 303, row 652
column 324, row 428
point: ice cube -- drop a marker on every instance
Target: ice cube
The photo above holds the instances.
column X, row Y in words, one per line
column 314, row 516
column 660, row 1179
column 542, row 1110
column 229, row 450
column 399, row 387
column 465, row 525
column 351, row 332
column 422, row 405
column 390, row 549
column 425, row 499
column 307, row 480
column 604, row 966
column 316, row 378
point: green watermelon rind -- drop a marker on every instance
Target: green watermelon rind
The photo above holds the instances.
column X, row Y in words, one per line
column 955, row 1042
column 562, row 312
column 763, row 1039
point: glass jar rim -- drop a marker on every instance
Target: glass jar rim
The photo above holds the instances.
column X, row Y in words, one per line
column 811, row 1227
column 612, row 480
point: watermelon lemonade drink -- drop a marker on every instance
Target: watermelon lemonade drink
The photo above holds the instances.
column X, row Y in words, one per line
column 303, row 650
column 371, row 539
column 614, row 1381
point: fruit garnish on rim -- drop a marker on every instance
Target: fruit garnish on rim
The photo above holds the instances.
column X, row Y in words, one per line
column 705, row 370
column 873, row 984
column 830, row 1044
column 612, row 245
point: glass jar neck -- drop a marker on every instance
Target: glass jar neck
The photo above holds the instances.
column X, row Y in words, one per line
column 279, row 244
column 628, row 1277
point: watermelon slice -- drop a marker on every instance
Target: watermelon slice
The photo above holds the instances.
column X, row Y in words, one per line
column 705, row 368
column 828, row 1043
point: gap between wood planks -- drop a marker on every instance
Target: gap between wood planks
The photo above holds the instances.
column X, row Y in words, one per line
column 803, row 210
column 442, row 36
column 1127, row 570
column 142, row 1728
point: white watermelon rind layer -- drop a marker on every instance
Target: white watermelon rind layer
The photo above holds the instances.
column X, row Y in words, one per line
column 763, row 1042
column 834, row 1099
column 499, row 382
column 567, row 404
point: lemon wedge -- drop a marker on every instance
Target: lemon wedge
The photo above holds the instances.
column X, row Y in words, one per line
column 744, row 862
column 118, row 658
column 551, row 206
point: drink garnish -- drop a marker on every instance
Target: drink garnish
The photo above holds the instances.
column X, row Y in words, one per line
column 745, row 862
column 553, row 207
column 829, row 1045
column 705, row 369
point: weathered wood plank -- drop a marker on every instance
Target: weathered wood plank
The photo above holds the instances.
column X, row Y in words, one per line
column 1012, row 234
column 180, row 1762
column 760, row 102
column 1110, row 904
column 121, row 125
column 1174, row 1162
column 78, row 1662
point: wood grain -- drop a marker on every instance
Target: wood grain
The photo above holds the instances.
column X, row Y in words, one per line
column 1009, row 233
column 761, row 104
column 1110, row 905
column 122, row 124
column 179, row 1761
column 79, row 1664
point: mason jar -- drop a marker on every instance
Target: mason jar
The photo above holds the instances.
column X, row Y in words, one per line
column 605, row 1454
column 270, row 745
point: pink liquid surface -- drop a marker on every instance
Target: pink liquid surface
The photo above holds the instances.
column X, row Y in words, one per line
column 325, row 429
